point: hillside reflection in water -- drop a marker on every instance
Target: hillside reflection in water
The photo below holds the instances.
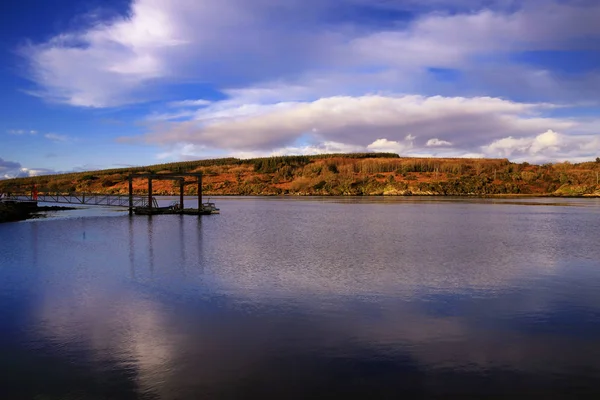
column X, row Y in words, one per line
column 291, row 299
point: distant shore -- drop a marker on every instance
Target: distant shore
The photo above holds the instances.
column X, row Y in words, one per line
column 351, row 174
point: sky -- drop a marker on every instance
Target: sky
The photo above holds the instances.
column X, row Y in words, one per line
column 111, row 83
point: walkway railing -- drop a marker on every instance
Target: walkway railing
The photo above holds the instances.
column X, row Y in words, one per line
column 116, row 200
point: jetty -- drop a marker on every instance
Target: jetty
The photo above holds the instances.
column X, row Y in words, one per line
column 150, row 207
column 20, row 206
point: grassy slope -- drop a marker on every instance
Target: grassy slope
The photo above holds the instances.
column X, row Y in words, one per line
column 339, row 174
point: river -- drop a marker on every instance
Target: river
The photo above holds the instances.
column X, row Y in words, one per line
column 304, row 298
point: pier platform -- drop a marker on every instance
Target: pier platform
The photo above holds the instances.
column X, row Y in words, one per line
column 206, row 209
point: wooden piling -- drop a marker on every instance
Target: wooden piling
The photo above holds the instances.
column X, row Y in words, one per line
column 130, row 195
column 199, row 193
column 150, row 192
column 181, row 188
column 167, row 176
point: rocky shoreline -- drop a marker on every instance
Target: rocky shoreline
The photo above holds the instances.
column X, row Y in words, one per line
column 11, row 211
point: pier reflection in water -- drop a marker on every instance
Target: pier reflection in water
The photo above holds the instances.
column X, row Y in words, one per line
column 291, row 298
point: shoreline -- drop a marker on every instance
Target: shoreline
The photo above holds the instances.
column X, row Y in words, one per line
column 498, row 195
column 14, row 212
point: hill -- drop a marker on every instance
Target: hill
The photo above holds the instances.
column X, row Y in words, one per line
column 339, row 174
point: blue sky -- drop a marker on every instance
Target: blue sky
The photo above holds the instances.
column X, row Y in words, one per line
column 101, row 84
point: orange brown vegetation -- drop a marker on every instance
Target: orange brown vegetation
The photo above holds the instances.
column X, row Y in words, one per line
column 338, row 174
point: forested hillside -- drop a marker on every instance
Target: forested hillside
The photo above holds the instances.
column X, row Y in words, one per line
column 339, row 174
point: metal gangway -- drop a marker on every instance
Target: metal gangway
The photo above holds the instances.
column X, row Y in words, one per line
column 96, row 199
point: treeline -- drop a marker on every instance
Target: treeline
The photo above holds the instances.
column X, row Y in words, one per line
column 263, row 164
column 339, row 174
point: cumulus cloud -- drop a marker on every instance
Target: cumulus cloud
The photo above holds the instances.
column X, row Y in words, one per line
column 6, row 165
column 162, row 41
column 548, row 140
column 391, row 146
column 104, row 64
column 437, row 142
column 117, row 61
column 408, row 125
column 189, row 151
column 467, row 123
column 546, row 146
column 13, row 169
column 37, row 171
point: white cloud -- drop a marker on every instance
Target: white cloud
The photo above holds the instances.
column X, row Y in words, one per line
column 170, row 116
column 548, row 140
column 507, row 146
column 320, row 148
column 22, row 132
column 7, row 168
column 392, row 146
column 451, row 40
column 13, row 169
column 409, row 125
column 36, row 171
column 163, row 41
column 288, row 70
column 358, row 121
column 547, row 146
column 103, row 65
column 470, row 155
column 119, row 61
column 56, row 138
column 437, row 142
column 188, row 151
column 189, row 103
column 182, row 151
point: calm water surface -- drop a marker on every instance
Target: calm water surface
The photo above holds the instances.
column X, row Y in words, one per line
column 305, row 298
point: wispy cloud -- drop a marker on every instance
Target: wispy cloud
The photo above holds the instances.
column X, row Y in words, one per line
column 189, row 103
column 171, row 116
column 50, row 136
column 56, row 138
column 22, row 132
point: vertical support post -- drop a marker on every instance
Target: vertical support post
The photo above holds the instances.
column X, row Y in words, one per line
column 150, row 192
column 130, row 195
column 199, row 193
column 181, row 187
